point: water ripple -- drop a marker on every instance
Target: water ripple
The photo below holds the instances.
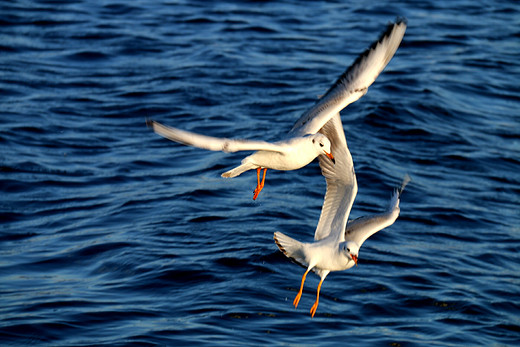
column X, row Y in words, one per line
column 110, row 234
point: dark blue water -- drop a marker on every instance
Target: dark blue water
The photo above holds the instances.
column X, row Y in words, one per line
column 112, row 235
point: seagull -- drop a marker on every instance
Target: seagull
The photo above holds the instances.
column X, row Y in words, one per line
column 336, row 251
column 336, row 243
column 289, row 154
column 304, row 142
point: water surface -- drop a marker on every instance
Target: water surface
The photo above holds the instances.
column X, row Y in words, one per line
column 110, row 234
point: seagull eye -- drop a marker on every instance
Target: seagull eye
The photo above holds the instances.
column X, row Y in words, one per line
column 348, row 250
column 313, row 141
column 321, row 144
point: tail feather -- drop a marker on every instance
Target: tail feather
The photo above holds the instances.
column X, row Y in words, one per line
column 292, row 248
column 245, row 166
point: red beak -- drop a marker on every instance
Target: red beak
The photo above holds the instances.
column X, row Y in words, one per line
column 330, row 156
column 354, row 258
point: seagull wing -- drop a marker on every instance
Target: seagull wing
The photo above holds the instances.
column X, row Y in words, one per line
column 354, row 82
column 211, row 143
column 360, row 229
column 341, row 183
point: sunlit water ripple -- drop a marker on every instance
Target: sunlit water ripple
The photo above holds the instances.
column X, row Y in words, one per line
column 110, row 234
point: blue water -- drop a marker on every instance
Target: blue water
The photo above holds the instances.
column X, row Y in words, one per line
column 112, row 235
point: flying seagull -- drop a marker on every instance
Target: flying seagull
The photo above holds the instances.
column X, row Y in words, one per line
column 304, row 142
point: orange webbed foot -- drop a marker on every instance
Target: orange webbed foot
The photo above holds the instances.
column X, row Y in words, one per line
column 297, row 299
column 257, row 191
column 260, row 185
column 314, row 308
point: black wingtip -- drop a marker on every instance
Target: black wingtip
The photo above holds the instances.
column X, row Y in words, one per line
column 149, row 123
column 385, row 34
column 389, row 28
column 391, row 25
column 401, row 20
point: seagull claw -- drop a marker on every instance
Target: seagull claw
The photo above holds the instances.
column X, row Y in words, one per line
column 260, row 185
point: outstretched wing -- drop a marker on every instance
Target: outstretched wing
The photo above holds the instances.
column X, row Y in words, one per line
column 341, row 183
column 211, row 143
column 360, row 229
column 354, row 82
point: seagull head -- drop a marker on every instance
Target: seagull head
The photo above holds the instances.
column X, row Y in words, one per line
column 351, row 249
column 322, row 145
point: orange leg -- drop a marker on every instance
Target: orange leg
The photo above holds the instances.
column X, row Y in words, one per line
column 315, row 306
column 258, row 176
column 299, row 295
column 259, row 185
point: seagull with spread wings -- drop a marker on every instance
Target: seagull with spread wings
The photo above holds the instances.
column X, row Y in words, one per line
column 305, row 141
column 336, row 243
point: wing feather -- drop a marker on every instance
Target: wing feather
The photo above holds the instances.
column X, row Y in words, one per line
column 209, row 142
column 360, row 229
column 341, row 183
column 354, row 82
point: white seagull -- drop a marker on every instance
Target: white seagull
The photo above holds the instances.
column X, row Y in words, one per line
column 289, row 154
column 304, row 142
column 336, row 243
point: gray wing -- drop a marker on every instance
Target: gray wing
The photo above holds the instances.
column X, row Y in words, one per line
column 211, row 143
column 341, row 182
column 360, row 229
column 354, row 82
